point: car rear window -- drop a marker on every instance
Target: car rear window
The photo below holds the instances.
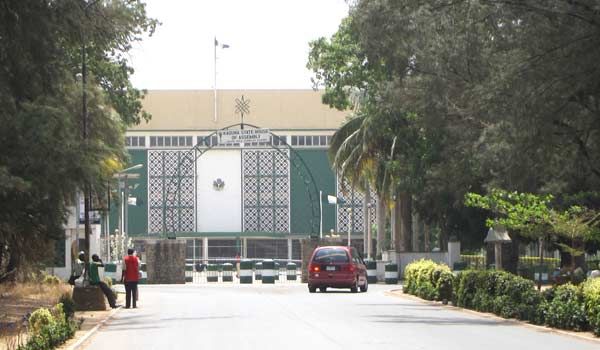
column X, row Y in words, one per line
column 331, row 255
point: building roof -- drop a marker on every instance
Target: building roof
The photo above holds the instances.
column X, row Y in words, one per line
column 273, row 109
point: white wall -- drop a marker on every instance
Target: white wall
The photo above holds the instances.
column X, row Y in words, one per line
column 219, row 211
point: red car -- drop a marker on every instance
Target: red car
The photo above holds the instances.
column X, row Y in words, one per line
column 337, row 267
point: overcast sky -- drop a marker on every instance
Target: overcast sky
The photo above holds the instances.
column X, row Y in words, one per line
column 268, row 43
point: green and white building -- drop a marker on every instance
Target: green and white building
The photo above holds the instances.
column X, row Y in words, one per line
column 255, row 200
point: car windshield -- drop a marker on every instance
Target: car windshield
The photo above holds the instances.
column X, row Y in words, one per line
column 331, row 255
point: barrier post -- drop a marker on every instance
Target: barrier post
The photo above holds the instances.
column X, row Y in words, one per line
column 391, row 273
column 246, row 271
column 268, row 267
column 291, row 270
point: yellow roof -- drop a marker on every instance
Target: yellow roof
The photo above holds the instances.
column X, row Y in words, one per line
column 273, row 109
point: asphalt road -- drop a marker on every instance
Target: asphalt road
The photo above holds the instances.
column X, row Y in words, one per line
column 288, row 317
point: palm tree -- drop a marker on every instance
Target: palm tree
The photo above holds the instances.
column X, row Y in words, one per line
column 355, row 153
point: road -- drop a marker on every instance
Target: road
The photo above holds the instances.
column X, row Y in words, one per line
column 288, row 317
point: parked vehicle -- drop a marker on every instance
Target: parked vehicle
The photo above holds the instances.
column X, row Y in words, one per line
column 337, row 267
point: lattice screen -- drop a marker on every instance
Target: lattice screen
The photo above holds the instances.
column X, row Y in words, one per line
column 354, row 200
column 171, row 191
column 266, row 190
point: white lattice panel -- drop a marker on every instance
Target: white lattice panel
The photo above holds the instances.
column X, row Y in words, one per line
column 353, row 199
column 171, row 191
column 266, row 190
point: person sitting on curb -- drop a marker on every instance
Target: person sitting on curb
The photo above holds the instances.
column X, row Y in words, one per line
column 94, row 277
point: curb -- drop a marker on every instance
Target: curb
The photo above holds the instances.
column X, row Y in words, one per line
column 398, row 293
column 91, row 332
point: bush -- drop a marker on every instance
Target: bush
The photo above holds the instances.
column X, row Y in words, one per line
column 48, row 329
column 428, row 280
column 499, row 292
column 39, row 319
column 68, row 305
column 591, row 299
column 566, row 310
column 51, row 280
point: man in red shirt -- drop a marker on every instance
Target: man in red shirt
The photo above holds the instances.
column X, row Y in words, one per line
column 130, row 276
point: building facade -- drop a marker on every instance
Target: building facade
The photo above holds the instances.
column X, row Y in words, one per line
column 251, row 199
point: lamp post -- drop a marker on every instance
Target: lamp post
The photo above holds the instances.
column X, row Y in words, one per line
column 87, row 195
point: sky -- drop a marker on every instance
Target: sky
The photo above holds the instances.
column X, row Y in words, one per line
column 268, row 43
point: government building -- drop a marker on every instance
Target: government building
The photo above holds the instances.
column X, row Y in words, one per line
column 254, row 198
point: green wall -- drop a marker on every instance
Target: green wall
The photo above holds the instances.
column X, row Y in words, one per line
column 138, row 214
column 318, row 163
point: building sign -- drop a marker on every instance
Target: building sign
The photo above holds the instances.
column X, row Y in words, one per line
column 240, row 136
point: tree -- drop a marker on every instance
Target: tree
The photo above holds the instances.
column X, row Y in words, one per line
column 45, row 160
column 576, row 225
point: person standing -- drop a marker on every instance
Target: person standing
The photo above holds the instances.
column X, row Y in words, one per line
column 94, row 277
column 130, row 276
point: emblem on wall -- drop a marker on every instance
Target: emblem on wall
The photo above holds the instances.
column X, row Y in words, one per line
column 218, row 184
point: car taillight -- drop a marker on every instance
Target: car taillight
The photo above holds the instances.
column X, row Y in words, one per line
column 315, row 268
column 350, row 267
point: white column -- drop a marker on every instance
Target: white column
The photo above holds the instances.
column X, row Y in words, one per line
column 289, row 248
column 205, row 249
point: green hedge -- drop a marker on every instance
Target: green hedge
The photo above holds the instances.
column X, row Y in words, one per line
column 429, row 280
column 499, row 292
column 591, row 299
column 507, row 295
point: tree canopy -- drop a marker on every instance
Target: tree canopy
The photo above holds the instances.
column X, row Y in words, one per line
column 478, row 94
column 45, row 160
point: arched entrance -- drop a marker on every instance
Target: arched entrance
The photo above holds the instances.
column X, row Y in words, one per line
column 261, row 166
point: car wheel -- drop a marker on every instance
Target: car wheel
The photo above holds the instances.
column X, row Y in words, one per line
column 323, row 289
column 312, row 289
column 365, row 286
column 354, row 288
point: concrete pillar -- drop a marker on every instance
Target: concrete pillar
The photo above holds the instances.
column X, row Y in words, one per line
column 453, row 253
column 205, row 249
column 244, row 248
column 289, row 244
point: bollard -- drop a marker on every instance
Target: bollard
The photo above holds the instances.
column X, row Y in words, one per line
column 268, row 267
column 276, row 271
column 291, row 269
column 371, row 271
column 212, row 273
column 227, row 272
column 189, row 270
column 391, row 273
column 246, row 271
column 258, row 273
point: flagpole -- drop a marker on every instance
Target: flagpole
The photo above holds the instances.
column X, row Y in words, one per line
column 215, row 84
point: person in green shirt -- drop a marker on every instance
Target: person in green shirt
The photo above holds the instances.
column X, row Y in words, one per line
column 94, row 277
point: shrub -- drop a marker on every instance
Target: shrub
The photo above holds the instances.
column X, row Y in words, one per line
column 499, row 292
column 48, row 329
column 51, row 280
column 422, row 278
column 39, row 319
column 591, row 299
column 566, row 310
column 68, row 305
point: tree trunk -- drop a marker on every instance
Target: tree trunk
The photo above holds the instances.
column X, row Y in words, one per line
column 366, row 221
column 380, row 224
column 426, row 237
column 405, row 201
column 397, row 226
